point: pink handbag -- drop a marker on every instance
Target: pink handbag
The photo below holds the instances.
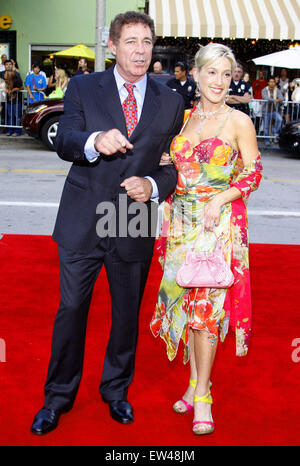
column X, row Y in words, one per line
column 204, row 269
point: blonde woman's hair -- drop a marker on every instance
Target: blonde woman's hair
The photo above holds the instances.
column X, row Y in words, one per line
column 61, row 74
column 62, row 78
column 210, row 52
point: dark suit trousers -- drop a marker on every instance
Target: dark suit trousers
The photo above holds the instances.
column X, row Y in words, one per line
column 78, row 274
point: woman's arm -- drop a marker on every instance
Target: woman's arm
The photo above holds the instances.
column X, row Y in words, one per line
column 51, row 84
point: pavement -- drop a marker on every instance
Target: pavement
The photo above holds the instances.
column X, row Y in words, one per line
column 23, row 139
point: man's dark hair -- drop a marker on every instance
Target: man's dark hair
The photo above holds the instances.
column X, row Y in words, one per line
column 36, row 65
column 181, row 65
column 271, row 77
column 83, row 58
column 8, row 61
column 130, row 17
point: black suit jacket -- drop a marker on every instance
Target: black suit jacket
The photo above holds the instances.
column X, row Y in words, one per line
column 92, row 103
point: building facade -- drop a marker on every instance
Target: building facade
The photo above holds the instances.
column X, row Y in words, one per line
column 32, row 30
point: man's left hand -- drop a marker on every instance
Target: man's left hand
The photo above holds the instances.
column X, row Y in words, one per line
column 138, row 188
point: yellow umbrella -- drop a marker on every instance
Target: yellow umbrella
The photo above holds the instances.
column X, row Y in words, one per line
column 77, row 51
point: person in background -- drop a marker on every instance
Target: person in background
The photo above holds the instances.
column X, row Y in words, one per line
column 41, row 72
column 246, row 78
column 82, row 66
column 61, row 84
column 183, row 85
column 3, row 59
column 15, row 65
column 62, row 79
column 36, row 84
column 270, row 109
column 239, row 92
column 157, row 67
column 295, row 88
column 3, row 98
column 258, row 85
column 14, row 102
column 277, row 81
column 284, row 87
column 51, row 82
column 293, row 98
column 8, row 66
column 284, row 83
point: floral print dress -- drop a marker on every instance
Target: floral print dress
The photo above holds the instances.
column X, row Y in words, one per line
column 204, row 171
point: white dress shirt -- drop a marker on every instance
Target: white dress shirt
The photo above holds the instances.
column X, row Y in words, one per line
column 139, row 94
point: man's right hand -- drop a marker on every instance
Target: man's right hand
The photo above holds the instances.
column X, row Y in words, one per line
column 110, row 142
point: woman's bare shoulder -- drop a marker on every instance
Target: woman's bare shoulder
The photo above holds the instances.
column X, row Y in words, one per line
column 241, row 120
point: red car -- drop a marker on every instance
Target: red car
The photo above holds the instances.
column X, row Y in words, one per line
column 40, row 120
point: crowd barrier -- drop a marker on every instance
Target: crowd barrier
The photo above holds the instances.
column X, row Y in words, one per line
column 269, row 118
column 267, row 122
column 13, row 108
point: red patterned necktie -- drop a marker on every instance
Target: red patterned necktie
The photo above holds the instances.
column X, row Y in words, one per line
column 130, row 109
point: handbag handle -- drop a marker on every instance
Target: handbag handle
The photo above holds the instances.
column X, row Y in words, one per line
column 198, row 235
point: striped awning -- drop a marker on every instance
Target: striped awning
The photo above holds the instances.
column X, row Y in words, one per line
column 252, row 19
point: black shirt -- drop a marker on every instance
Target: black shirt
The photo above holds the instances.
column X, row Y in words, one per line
column 239, row 89
column 188, row 90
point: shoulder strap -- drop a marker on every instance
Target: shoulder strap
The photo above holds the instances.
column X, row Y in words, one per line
column 187, row 115
column 223, row 122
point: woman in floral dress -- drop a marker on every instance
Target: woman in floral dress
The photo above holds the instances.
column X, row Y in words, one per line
column 218, row 164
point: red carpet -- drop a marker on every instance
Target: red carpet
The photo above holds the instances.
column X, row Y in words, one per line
column 256, row 399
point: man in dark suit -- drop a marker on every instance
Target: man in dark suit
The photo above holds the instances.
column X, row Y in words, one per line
column 115, row 173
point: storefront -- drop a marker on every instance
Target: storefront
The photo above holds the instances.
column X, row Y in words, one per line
column 38, row 29
column 7, row 37
column 250, row 27
column 33, row 30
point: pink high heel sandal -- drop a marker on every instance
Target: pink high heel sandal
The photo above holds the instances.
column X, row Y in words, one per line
column 207, row 398
column 189, row 407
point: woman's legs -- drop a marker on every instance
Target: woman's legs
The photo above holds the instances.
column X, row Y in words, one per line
column 189, row 394
column 204, row 354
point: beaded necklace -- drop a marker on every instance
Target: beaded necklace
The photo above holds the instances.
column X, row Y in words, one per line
column 205, row 115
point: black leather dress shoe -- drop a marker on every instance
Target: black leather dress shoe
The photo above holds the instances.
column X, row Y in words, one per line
column 120, row 410
column 45, row 421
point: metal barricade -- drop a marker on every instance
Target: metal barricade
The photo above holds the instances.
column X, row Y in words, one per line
column 268, row 119
column 267, row 123
column 12, row 109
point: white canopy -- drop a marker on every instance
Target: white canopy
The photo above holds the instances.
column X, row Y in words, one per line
column 289, row 58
